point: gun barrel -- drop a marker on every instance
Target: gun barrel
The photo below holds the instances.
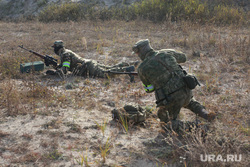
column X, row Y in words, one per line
column 116, row 72
column 47, row 59
column 31, row 51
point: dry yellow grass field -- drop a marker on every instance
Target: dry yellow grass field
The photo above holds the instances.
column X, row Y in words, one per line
column 43, row 123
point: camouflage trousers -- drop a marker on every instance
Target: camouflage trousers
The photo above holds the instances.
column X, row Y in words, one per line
column 94, row 69
column 179, row 99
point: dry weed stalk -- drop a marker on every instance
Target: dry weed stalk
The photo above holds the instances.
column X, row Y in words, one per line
column 193, row 144
column 102, row 126
column 83, row 159
column 125, row 123
column 105, row 150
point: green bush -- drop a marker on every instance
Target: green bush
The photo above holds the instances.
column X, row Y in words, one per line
column 227, row 15
column 196, row 11
column 64, row 12
column 154, row 10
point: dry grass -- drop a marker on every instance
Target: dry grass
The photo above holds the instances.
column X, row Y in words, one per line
column 60, row 123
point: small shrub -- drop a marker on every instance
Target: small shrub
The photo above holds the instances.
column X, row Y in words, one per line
column 154, row 10
column 11, row 98
column 10, row 66
column 38, row 91
column 217, row 141
column 63, row 12
column 227, row 15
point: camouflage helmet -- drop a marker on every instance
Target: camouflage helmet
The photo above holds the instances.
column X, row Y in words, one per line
column 142, row 47
column 58, row 44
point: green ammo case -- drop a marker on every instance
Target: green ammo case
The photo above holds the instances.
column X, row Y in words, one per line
column 36, row 66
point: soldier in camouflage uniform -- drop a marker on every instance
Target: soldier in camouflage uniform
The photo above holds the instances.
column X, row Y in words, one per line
column 161, row 73
column 70, row 61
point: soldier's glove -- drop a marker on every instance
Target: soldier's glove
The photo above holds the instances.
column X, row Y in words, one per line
column 46, row 62
column 59, row 66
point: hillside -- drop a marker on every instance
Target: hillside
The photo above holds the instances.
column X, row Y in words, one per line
column 29, row 8
column 16, row 9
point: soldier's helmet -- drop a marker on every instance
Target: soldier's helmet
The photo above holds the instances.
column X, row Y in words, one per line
column 142, row 47
column 58, row 44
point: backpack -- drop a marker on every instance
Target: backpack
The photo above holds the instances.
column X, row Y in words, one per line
column 131, row 113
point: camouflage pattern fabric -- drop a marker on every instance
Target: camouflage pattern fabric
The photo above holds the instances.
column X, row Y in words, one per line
column 131, row 113
column 151, row 72
column 87, row 67
column 179, row 99
column 161, row 69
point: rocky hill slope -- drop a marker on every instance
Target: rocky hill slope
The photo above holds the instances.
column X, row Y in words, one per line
column 30, row 8
column 20, row 8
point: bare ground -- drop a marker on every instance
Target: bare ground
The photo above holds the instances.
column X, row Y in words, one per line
column 47, row 121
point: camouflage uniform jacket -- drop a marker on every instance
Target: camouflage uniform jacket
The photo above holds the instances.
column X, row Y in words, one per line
column 86, row 67
column 160, row 71
column 71, row 59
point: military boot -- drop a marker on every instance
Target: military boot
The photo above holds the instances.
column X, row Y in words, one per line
column 210, row 116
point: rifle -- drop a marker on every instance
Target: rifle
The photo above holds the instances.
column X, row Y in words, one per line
column 131, row 74
column 48, row 60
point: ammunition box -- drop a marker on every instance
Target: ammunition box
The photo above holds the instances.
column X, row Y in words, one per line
column 35, row 66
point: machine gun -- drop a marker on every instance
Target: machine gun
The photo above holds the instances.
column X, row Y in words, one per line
column 131, row 74
column 48, row 60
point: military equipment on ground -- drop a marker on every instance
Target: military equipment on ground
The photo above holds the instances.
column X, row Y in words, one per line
column 48, row 60
column 132, row 113
column 36, row 66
